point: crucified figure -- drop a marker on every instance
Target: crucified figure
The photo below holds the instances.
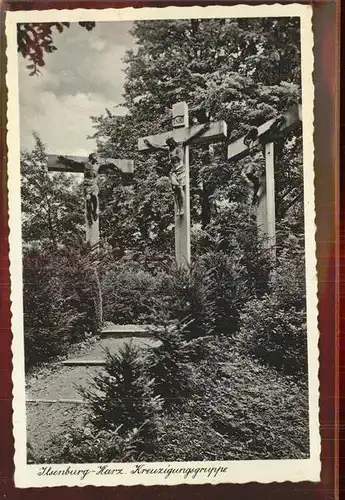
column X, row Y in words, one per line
column 90, row 187
column 177, row 165
column 254, row 179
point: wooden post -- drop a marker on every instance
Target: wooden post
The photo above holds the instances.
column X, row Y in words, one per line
column 182, row 222
column 265, row 217
column 79, row 164
column 92, row 234
column 270, row 194
column 261, row 211
column 92, row 224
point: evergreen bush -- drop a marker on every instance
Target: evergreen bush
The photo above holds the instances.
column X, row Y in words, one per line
column 124, row 396
column 89, row 445
column 210, row 293
column 61, row 303
column 274, row 328
column 168, row 365
column 130, row 294
column 230, row 289
column 189, row 294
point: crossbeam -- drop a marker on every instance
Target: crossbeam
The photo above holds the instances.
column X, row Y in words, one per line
column 54, row 165
column 216, row 132
column 241, row 148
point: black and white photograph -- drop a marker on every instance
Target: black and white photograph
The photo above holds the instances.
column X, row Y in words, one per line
column 162, row 246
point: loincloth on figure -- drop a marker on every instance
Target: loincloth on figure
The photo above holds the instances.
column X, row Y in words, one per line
column 177, row 168
column 90, row 182
column 178, row 176
column 90, row 188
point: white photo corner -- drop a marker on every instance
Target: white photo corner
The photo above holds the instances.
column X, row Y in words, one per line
column 162, row 246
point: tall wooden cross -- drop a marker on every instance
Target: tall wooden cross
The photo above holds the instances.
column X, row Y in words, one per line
column 266, row 135
column 176, row 143
column 91, row 167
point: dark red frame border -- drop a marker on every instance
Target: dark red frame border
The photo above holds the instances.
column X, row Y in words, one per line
column 326, row 29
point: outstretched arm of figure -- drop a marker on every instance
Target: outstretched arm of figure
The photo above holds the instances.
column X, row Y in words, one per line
column 150, row 144
column 250, row 136
column 196, row 134
column 277, row 125
column 70, row 163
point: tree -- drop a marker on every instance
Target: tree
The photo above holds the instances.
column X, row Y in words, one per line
column 52, row 209
column 124, row 396
column 244, row 71
column 35, row 39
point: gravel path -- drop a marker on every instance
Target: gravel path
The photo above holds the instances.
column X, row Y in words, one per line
column 55, row 381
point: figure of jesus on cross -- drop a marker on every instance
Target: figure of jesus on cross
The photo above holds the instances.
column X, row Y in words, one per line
column 177, row 170
column 91, row 189
column 176, row 143
column 91, row 166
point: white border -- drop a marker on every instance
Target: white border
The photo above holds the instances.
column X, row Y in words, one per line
column 262, row 471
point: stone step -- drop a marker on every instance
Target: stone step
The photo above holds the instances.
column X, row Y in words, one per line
column 114, row 337
column 121, row 331
column 61, row 401
column 83, row 362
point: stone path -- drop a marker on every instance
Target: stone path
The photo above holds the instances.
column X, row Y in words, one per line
column 60, row 381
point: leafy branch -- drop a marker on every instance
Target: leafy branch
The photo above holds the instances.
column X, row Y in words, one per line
column 36, row 39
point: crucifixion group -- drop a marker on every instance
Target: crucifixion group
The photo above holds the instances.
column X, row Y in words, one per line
column 176, row 144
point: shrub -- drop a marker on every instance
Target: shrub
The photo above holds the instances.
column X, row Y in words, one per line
column 230, row 289
column 124, row 395
column 41, row 290
column 168, row 365
column 274, row 328
column 189, row 294
column 82, row 294
column 61, row 303
column 129, row 294
column 42, row 298
column 41, row 344
column 288, row 282
column 89, row 445
column 211, row 293
column 233, row 231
